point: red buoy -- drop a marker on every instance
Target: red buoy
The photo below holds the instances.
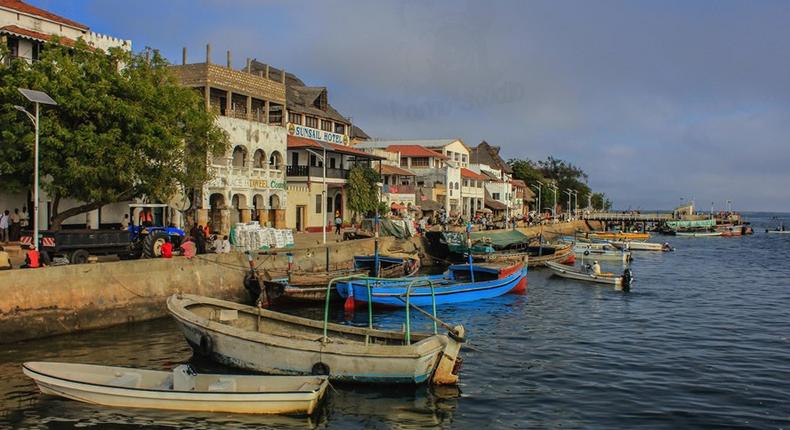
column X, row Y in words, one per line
column 349, row 305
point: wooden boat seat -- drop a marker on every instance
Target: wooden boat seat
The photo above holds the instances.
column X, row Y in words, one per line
column 223, row 384
column 126, row 379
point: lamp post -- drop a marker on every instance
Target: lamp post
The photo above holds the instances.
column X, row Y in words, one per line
column 576, row 203
column 554, row 208
column 37, row 97
column 540, row 202
column 569, row 192
column 322, row 157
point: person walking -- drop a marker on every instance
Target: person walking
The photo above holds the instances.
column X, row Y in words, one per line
column 338, row 223
column 4, row 226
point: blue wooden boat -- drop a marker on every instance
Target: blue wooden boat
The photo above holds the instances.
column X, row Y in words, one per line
column 461, row 283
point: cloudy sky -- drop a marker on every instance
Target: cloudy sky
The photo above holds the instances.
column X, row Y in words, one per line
column 656, row 100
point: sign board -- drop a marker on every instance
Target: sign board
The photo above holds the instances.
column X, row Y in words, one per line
column 316, row 134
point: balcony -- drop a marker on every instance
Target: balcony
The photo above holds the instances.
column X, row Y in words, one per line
column 315, row 173
column 399, row 189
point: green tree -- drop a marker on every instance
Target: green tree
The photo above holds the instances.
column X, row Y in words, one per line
column 123, row 128
column 363, row 195
column 601, row 202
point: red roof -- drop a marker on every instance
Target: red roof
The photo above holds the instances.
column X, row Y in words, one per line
column 295, row 142
column 35, row 35
column 471, row 174
column 518, row 183
column 23, row 7
column 415, row 151
column 387, row 169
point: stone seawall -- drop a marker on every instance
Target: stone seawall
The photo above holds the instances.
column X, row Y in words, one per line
column 64, row 299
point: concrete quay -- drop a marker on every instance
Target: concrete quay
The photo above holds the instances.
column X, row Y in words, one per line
column 57, row 300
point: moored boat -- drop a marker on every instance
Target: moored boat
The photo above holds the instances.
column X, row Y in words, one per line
column 641, row 246
column 536, row 255
column 619, row 282
column 262, row 340
column 601, row 252
column 619, row 235
column 304, row 286
column 179, row 390
column 461, row 283
column 697, row 233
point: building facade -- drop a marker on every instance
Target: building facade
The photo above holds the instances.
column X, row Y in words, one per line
column 248, row 181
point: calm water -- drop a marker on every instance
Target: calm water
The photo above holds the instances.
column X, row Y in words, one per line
column 702, row 341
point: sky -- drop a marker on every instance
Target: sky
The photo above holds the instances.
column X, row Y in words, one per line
column 657, row 101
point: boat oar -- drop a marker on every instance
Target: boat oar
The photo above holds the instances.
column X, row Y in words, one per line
column 427, row 314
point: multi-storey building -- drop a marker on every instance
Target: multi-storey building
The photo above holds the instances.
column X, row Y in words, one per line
column 485, row 159
column 25, row 28
column 316, row 133
column 473, row 192
column 249, row 179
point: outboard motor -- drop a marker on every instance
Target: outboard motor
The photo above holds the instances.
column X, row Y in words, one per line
column 628, row 278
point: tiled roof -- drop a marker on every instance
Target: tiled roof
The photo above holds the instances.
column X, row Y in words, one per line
column 466, row 173
column 487, row 154
column 428, row 143
column 387, row 169
column 295, row 142
column 518, row 183
column 23, row 7
column 19, row 31
column 414, row 151
column 492, row 176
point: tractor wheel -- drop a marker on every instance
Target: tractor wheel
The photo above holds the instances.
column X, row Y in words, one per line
column 152, row 244
column 79, row 256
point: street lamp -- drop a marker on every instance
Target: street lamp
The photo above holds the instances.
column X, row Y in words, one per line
column 540, row 185
column 569, row 192
column 37, row 97
column 576, row 203
column 322, row 157
column 554, row 208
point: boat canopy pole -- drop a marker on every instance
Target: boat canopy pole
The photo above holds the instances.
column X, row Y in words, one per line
column 376, row 244
column 328, row 295
column 469, row 247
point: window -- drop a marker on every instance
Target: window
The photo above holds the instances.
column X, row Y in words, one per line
column 318, row 203
column 326, row 125
column 275, row 114
column 495, row 196
column 466, row 182
column 419, row 162
column 332, row 162
column 340, row 128
column 456, row 156
column 295, row 118
column 463, row 158
column 404, row 162
column 311, row 121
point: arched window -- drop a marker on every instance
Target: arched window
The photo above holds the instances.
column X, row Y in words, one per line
column 259, row 159
column 276, row 160
column 239, row 156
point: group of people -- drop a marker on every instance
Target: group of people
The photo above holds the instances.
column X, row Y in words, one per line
column 12, row 223
column 198, row 242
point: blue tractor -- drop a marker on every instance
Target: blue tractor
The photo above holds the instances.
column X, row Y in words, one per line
column 148, row 229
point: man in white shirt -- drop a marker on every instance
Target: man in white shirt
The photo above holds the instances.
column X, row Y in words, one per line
column 4, row 226
column 222, row 246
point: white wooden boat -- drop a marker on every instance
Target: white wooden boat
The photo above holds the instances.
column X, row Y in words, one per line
column 777, row 231
column 620, row 283
column 261, row 340
column 697, row 233
column 179, row 390
column 641, row 246
column 601, row 251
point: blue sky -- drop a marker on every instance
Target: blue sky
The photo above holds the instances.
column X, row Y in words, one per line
column 656, row 100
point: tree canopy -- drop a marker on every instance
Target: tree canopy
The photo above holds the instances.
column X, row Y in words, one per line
column 123, row 128
column 363, row 195
column 564, row 175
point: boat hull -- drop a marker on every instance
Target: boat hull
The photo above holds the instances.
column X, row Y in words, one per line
column 446, row 290
column 275, row 350
column 220, row 401
column 570, row 273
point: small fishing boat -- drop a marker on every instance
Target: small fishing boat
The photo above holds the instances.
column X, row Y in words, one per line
column 535, row 254
column 641, row 246
column 461, row 283
column 697, row 233
column 780, row 229
column 728, row 230
column 620, row 283
column 301, row 286
column 179, row 390
column 619, row 235
column 600, row 251
column 262, row 340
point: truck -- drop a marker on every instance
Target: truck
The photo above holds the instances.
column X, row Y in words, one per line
column 140, row 240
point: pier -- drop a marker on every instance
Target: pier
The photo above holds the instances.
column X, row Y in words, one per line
column 627, row 217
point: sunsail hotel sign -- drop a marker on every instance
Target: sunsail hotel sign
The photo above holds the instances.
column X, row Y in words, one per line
column 316, row 134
